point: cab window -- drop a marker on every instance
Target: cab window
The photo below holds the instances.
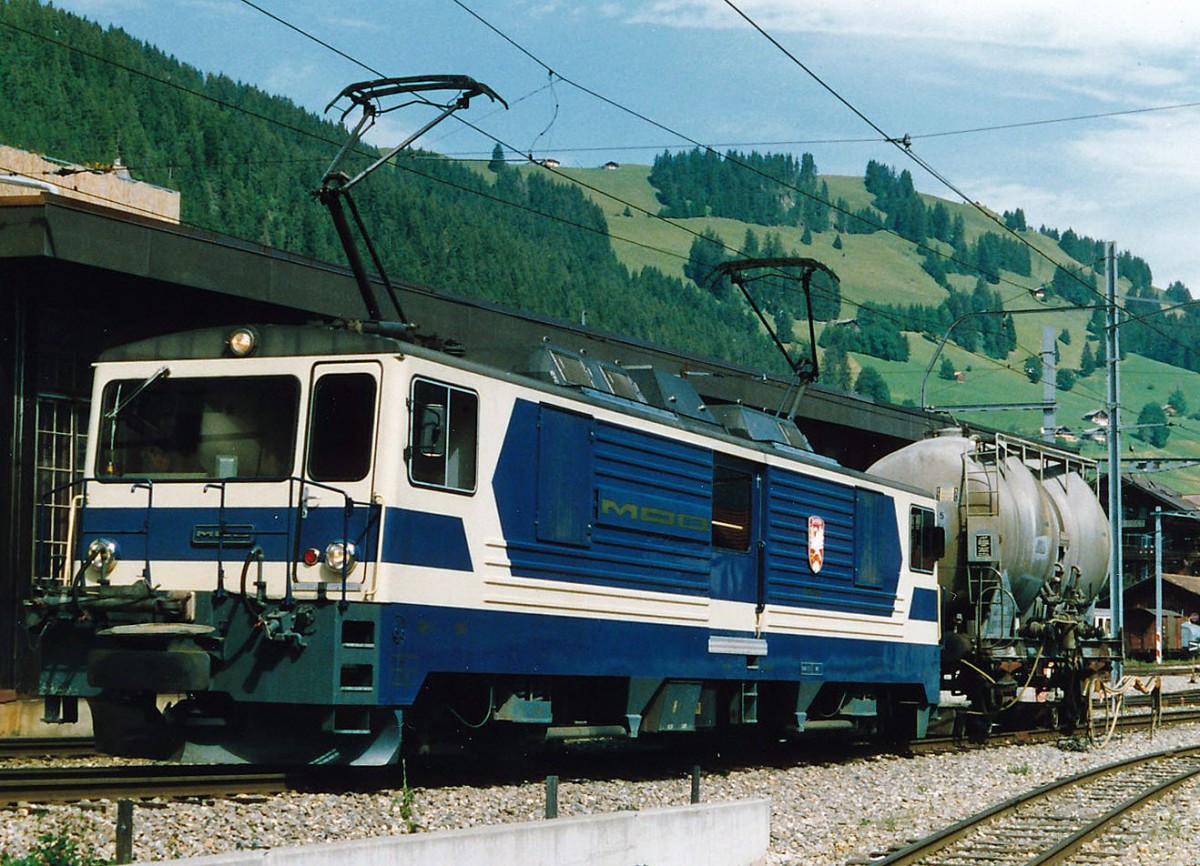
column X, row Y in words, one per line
column 927, row 540
column 732, row 493
column 176, row 428
column 443, row 436
column 342, row 427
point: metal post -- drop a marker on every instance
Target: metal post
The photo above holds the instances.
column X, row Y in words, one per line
column 124, row 850
column 1049, row 383
column 695, row 784
column 1158, row 599
column 552, row 796
column 1116, row 584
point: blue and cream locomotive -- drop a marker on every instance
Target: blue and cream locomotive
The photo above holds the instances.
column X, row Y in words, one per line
column 316, row 544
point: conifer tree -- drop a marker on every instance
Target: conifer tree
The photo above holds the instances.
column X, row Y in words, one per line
column 835, row 367
column 870, row 383
column 497, row 163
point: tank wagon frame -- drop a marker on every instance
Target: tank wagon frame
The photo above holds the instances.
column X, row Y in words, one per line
column 1026, row 558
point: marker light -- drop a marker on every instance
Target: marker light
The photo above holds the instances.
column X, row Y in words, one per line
column 102, row 555
column 312, row 556
column 340, row 556
column 242, row 342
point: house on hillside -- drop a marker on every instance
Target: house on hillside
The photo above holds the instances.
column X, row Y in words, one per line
column 550, row 162
column 610, row 166
column 1180, row 557
column 1099, row 417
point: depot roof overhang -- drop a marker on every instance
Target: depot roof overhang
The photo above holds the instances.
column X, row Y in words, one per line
column 66, row 230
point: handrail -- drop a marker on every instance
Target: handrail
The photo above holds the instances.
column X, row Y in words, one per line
column 148, row 486
column 219, row 485
column 295, row 503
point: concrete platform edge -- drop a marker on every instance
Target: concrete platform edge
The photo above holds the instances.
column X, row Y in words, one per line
column 709, row 834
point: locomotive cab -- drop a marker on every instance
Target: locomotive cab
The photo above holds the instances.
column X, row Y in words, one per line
column 229, row 522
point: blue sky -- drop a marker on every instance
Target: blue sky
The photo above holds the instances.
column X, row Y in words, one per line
column 918, row 67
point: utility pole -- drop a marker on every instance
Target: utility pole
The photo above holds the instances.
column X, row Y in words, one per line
column 1049, row 384
column 1116, row 583
column 1158, row 601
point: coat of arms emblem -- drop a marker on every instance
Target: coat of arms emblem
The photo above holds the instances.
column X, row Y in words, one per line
column 816, row 543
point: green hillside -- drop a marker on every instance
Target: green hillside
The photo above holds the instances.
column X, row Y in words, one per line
column 884, row 267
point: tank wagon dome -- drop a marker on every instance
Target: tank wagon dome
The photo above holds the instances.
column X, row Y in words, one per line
column 1027, row 530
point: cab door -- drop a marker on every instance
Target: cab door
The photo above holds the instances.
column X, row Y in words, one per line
column 737, row 554
column 338, row 514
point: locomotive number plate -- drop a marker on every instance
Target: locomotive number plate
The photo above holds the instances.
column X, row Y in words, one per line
column 231, row 535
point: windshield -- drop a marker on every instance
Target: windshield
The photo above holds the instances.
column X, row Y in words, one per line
column 197, row 429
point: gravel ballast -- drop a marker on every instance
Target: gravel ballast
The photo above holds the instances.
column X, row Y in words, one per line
column 821, row 814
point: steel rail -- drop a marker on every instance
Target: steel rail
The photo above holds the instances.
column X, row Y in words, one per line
column 1062, row 852
column 1126, row 723
column 939, row 842
column 70, row 784
column 58, row 747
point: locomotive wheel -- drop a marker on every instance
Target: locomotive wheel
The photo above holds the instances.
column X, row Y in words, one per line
column 131, row 726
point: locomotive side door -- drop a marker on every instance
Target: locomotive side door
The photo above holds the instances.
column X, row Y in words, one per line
column 338, row 516
column 736, row 533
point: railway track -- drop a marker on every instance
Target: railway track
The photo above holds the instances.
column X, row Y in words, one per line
column 1049, row 824
column 1124, row 724
column 49, row 784
column 71, row 784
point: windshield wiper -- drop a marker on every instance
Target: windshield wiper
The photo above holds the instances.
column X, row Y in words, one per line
column 161, row 373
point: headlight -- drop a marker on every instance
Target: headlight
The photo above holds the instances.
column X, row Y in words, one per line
column 242, row 342
column 340, row 557
column 102, row 555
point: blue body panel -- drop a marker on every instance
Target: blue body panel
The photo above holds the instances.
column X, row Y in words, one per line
column 411, row 537
column 649, row 501
column 852, row 550
column 924, row 605
column 642, row 476
column 419, row 640
column 419, row 538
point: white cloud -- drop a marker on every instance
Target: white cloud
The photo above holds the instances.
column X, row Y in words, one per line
column 1056, row 207
column 1133, row 180
column 346, row 22
column 1070, row 25
column 1155, row 148
column 289, row 76
column 1139, row 42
